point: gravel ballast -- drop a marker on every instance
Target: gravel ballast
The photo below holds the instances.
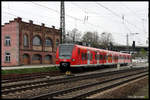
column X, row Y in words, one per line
column 128, row 90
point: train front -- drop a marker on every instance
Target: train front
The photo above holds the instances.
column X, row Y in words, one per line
column 64, row 56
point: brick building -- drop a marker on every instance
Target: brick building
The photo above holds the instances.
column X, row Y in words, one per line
column 26, row 43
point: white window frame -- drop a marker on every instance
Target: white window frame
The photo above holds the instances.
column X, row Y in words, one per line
column 7, row 41
column 7, row 57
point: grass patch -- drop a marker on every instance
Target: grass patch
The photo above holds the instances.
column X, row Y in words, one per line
column 28, row 70
column 146, row 97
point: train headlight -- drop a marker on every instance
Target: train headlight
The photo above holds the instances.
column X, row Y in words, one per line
column 73, row 59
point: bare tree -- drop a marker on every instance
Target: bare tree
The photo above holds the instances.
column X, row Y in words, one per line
column 73, row 36
column 91, row 38
column 106, row 40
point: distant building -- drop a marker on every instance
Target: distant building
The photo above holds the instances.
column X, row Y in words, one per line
column 26, row 43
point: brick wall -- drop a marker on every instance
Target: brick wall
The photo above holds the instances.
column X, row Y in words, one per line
column 16, row 29
column 43, row 32
column 10, row 30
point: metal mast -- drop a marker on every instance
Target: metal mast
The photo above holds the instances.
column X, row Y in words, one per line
column 62, row 22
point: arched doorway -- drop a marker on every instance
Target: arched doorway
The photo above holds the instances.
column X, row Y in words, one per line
column 48, row 59
column 37, row 59
column 26, row 59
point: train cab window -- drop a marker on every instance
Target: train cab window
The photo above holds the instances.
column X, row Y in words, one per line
column 65, row 51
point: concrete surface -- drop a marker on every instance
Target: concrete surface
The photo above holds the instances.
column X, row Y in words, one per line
column 26, row 66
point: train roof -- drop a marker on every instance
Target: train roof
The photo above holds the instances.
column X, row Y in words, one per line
column 91, row 48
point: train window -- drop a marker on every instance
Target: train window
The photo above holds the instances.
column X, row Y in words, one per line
column 95, row 55
column 114, row 57
column 91, row 56
column 109, row 57
column 78, row 51
column 82, row 55
column 85, row 56
column 106, row 57
column 101, row 57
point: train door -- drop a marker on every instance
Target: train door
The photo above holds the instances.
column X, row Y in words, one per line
column 101, row 60
column 97, row 57
column 88, row 55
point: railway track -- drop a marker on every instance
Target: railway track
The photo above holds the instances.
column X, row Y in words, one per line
column 23, row 77
column 91, row 88
column 44, row 83
column 31, row 76
column 42, row 80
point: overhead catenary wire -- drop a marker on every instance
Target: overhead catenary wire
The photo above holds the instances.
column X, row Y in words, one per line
column 100, row 16
column 75, row 18
column 117, row 15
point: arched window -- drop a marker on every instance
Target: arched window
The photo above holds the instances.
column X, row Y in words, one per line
column 25, row 40
column 48, row 42
column 37, row 40
column 57, row 42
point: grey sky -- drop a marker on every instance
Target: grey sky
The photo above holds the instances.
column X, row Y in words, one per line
column 102, row 17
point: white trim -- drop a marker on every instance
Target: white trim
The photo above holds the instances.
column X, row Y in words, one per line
column 90, row 65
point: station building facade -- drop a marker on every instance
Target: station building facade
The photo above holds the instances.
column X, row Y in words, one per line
column 25, row 43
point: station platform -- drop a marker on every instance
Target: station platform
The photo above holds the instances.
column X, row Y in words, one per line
column 26, row 66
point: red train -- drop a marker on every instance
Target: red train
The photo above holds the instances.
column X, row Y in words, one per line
column 73, row 56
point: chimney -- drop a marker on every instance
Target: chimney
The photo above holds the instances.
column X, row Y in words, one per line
column 18, row 19
column 43, row 24
column 30, row 21
column 53, row 27
column 6, row 23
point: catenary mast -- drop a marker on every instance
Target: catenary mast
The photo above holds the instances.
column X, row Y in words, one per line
column 62, row 21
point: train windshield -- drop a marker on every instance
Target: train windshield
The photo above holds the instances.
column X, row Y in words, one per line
column 65, row 51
